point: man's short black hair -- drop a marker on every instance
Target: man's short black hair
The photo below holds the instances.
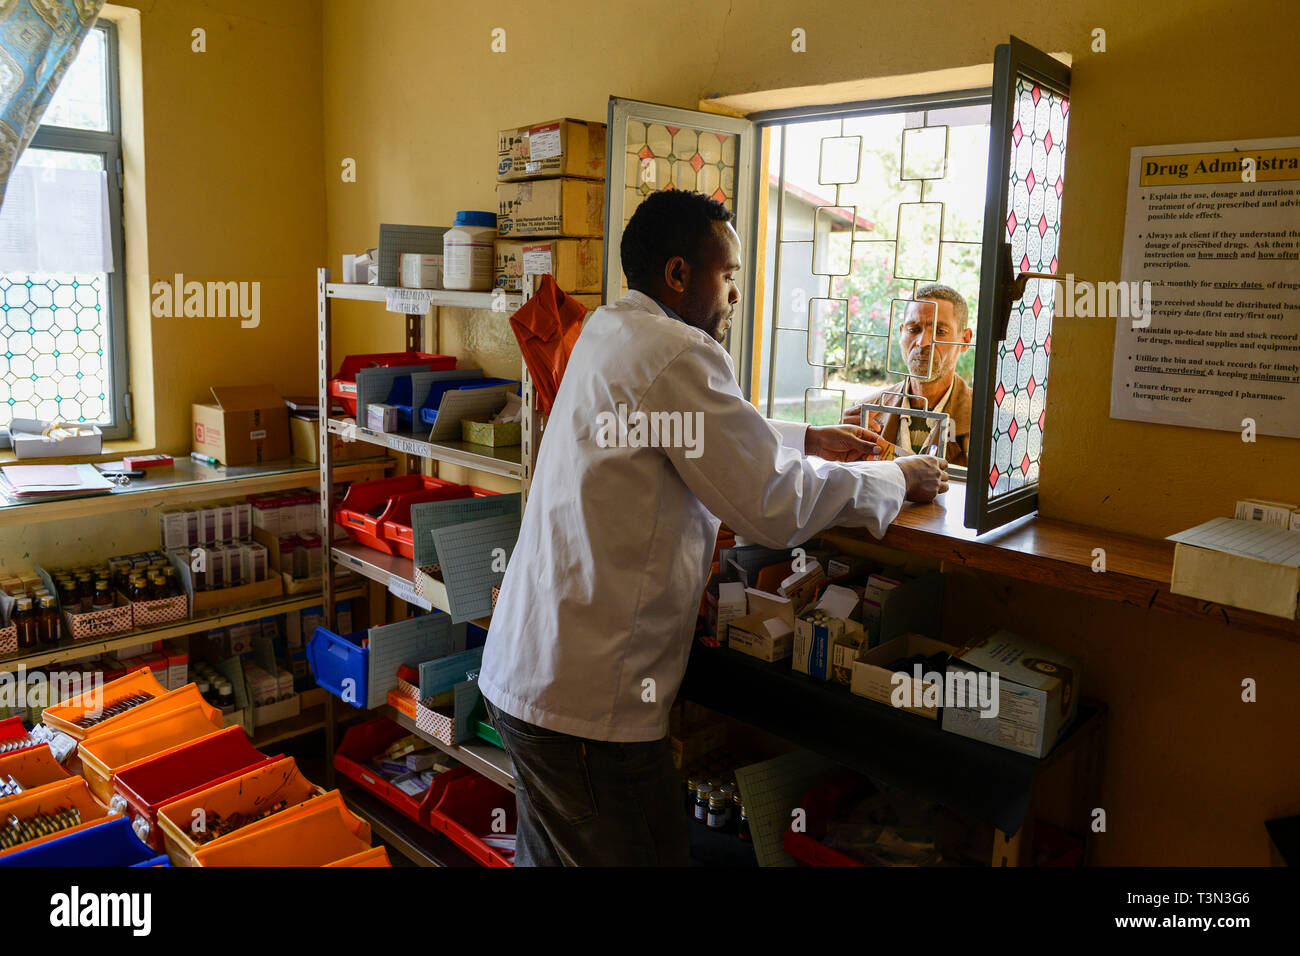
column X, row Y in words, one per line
column 671, row 222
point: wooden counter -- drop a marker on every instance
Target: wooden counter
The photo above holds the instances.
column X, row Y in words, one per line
column 1060, row 554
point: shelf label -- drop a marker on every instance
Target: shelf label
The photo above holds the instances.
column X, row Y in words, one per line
column 405, row 590
column 408, row 301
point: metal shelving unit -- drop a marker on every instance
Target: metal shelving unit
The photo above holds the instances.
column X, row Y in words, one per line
column 489, row 760
column 394, row 572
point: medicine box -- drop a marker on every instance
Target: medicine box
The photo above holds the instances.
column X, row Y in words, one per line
column 381, row 417
column 551, row 207
column 1276, row 513
column 1037, row 696
column 872, row 678
column 248, row 424
column 574, row 263
column 819, row 629
column 767, row 631
column 416, row 270
column 560, row 147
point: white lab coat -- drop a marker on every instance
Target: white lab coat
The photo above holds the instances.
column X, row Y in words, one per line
column 602, row 590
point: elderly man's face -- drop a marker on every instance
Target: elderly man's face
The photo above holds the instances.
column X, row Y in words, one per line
column 924, row 322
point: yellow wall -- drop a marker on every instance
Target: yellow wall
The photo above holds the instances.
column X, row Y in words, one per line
column 233, row 138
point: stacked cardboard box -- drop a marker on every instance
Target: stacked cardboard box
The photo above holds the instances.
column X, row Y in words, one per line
column 551, row 204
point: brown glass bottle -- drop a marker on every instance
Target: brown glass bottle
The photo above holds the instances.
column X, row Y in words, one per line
column 49, row 627
column 103, row 597
column 24, row 620
column 85, row 590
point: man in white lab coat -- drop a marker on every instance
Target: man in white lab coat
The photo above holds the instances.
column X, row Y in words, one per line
column 648, row 445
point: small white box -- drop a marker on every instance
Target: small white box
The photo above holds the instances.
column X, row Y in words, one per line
column 356, row 268
column 1279, row 514
column 419, row 270
column 28, row 442
column 209, row 525
column 381, row 417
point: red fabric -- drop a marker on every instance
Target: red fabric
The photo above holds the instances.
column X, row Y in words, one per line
column 547, row 327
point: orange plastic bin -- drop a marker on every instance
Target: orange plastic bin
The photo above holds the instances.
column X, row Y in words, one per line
column 247, row 795
column 313, row 834
column 106, row 753
column 32, row 768
column 64, row 715
column 54, row 798
column 376, row 856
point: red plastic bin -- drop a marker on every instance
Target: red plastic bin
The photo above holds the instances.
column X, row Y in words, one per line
column 343, row 386
column 396, row 524
column 822, row 804
column 352, row 759
column 464, row 805
column 11, row 730
column 370, row 507
column 142, row 788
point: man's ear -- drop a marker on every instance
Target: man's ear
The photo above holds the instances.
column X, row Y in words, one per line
column 677, row 273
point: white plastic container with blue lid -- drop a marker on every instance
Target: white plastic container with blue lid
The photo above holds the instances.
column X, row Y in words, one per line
column 467, row 252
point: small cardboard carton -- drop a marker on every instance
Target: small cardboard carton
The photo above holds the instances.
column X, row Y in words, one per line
column 767, row 631
column 872, row 678
column 29, row 439
column 249, row 424
column 1038, row 694
column 562, row 147
column 820, row 629
column 575, row 263
column 304, row 436
column 551, row 207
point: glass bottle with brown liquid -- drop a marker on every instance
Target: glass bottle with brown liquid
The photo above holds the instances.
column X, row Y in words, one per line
column 24, row 620
column 49, row 627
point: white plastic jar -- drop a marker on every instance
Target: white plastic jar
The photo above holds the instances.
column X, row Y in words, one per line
column 467, row 256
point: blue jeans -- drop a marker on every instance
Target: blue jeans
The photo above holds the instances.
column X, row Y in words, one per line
column 593, row 802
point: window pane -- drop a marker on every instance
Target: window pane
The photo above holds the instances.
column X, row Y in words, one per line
column 81, row 101
column 54, row 340
column 1037, row 161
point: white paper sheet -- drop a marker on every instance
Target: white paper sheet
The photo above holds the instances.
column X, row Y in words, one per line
column 56, row 221
column 1251, row 539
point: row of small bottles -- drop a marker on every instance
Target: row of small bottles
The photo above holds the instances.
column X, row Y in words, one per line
column 91, row 589
column 37, row 620
column 717, row 805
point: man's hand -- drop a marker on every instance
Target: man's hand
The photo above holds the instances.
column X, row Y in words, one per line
column 842, row 443
column 926, row 476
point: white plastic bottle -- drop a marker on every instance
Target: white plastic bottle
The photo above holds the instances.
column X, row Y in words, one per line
column 467, row 256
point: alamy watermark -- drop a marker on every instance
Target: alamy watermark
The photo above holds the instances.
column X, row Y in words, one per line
column 208, row 300
column 639, row 429
column 21, row 689
column 1106, row 300
column 958, row 689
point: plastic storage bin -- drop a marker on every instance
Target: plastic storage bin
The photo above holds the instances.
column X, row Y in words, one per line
column 342, row 664
column 141, row 788
column 12, row 730
column 396, row 526
column 33, row 767
column 463, row 805
column 64, row 715
column 104, row 754
column 248, row 794
column 369, row 506
column 402, row 395
column 109, row 843
column 352, row 759
column 344, row 385
column 376, row 856
column 822, row 803
column 429, row 411
column 318, row 832
column 52, row 798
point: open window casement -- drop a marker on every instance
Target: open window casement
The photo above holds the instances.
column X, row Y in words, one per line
column 651, row 147
column 1022, row 229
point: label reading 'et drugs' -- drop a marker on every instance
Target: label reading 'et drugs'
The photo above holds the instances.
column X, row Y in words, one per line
column 544, row 142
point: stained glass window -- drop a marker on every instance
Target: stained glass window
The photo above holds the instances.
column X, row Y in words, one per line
column 675, row 157
column 1036, row 182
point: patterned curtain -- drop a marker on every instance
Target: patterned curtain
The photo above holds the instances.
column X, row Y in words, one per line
column 39, row 39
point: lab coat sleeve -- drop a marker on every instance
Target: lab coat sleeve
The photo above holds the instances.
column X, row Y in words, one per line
column 740, row 469
column 792, row 433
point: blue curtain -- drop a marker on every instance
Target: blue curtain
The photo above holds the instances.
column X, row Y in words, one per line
column 39, row 39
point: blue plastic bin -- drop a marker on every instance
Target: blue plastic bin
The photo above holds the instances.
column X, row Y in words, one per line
column 430, row 410
column 110, row 844
column 337, row 658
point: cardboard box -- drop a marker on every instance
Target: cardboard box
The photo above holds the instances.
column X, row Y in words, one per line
column 1279, row 514
column 693, row 746
column 381, row 417
column 562, row 147
column 767, row 631
column 305, row 439
column 871, row 677
column 28, row 442
column 819, row 629
column 495, row 434
column 575, row 263
column 249, row 424
column 1037, row 698
column 551, row 207
column 1237, row 580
